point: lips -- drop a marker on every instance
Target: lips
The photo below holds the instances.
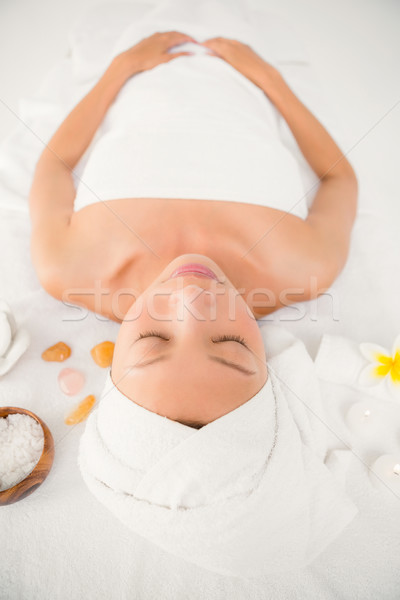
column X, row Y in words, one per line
column 193, row 269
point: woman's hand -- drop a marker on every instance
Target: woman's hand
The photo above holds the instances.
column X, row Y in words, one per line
column 152, row 51
column 244, row 60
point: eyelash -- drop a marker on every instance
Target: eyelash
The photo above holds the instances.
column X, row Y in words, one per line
column 222, row 338
column 228, row 338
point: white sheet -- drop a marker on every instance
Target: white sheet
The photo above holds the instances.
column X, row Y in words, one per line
column 60, row 542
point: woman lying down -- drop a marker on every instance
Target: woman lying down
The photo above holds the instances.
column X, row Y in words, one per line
column 204, row 441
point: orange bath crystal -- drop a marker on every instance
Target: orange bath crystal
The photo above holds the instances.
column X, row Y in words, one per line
column 103, row 354
column 58, row 352
column 81, row 411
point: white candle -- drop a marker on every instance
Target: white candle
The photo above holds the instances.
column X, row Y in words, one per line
column 364, row 419
column 387, row 470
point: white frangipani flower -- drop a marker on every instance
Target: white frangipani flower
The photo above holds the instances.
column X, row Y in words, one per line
column 383, row 365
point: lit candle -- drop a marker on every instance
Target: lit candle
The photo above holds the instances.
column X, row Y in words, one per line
column 387, row 470
column 364, row 419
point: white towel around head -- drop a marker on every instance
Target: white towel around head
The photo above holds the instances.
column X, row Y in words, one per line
column 247, row 495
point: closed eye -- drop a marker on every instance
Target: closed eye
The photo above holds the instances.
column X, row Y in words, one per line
column 151, row 334
column 231, row 338
column 222, row 338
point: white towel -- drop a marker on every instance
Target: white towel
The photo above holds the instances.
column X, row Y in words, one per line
column 193, row 127
column 247, row 495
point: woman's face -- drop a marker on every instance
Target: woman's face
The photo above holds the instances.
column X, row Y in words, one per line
column 184, row 368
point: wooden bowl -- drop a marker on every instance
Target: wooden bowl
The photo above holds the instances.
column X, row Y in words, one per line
column 42, row 468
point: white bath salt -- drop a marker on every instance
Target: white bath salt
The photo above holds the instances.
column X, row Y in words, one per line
column 21, row 445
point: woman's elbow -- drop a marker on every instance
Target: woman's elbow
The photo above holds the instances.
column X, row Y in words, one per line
column 352, row 183
column 327, row 268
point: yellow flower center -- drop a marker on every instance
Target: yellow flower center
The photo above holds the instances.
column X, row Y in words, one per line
column 388, row 365
column 395, row 370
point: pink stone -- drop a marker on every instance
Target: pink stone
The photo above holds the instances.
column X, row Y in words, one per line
column 70, row 381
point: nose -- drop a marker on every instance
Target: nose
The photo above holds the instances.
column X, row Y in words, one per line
column 193, row 298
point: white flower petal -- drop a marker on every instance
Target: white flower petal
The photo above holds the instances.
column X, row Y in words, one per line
column 19, row 344
column 369, row 376
column 396, row 346
column 394, row 387
column 5, row 333
column 372, row 351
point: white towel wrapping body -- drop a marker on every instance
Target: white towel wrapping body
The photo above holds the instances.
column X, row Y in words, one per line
column 193, row 127
column 246, row 495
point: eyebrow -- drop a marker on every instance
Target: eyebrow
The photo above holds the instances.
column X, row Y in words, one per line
column 223, row 361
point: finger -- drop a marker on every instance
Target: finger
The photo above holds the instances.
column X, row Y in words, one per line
column 179, row 37
column 214, row 40
column 169, row 57
column 211, row 47
column 211, row 44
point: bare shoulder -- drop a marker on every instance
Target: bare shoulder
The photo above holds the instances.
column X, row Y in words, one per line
column 296, row 261
column 309, row 255
column 54, row 252
column 81, row 256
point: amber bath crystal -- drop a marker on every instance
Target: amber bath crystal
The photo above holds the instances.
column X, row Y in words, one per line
column 103, row 354
column 58, row 352
column 81, row 411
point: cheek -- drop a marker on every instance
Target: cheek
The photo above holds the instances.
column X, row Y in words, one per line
column 135, row 322
column 245, row 317
column 127, row 333
column 150, row 308
column 137, row 318
column 251, row 331
column 249, row 313
column 117, row 362
column 135, row 311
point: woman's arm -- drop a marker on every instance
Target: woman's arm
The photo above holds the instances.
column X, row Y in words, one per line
column 52, row 188
column 318, row 147
column 333, row 211
column 325, row 237
column 52, row 194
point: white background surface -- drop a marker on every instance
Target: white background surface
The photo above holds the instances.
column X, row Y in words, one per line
column 355, row 53
column 353, row 44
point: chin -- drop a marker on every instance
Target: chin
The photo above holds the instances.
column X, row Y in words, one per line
column 195, row 258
